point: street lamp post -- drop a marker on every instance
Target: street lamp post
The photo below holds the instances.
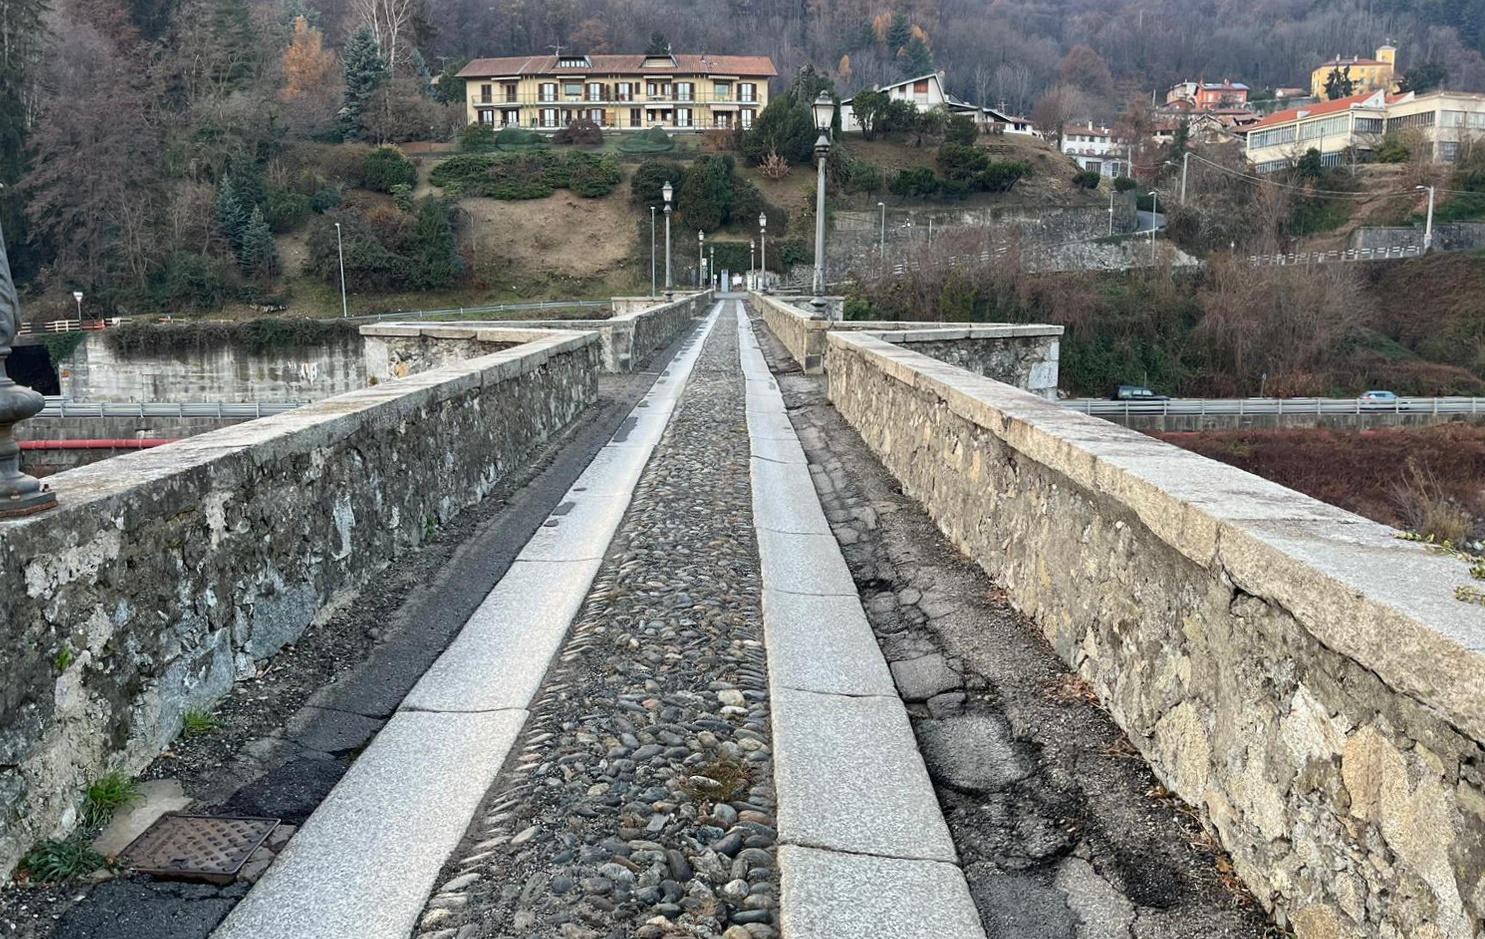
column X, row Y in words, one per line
column 1154, row 214
column 1112, row 190
column 711, row 267
column 345, row 309
column 763, row 249
column 1428, row 224
column 667, row 191
column 652, row 250
column 824, row 109
column 752, row 268
column 700, row 257
column 78, row 296
column 882, row 243
column 1185, row 167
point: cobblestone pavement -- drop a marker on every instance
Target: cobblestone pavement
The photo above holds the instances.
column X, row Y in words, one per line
column 1062, row 831
column 638, row 801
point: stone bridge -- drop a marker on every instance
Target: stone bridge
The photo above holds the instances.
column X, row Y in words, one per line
column 738, row 626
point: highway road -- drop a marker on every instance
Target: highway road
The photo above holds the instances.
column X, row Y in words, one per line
column 1102, row 407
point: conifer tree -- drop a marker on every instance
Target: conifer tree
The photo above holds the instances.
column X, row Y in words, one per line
column 432, row 248
column 258, row 255
column 365, row 71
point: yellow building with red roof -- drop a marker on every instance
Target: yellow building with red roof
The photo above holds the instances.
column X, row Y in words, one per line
column 1367, row 75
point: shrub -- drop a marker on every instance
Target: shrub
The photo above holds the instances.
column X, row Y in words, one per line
column 477, row 138
column 1124, row 183
column 581, row 132
column 287, row 210
column 369, row 265
column 653, row 140
column 961, row 129
column 193, row 281
column 914, row 181
column 325, row 199
column 1087, row 179
column 516, row 139
column 959, row 161
column 402, row 197
column 864, row 176
column 385, row 167
column 521, row 177
column 432, row 248
column 591, row 180
column 1002, row 176
column 650, row 178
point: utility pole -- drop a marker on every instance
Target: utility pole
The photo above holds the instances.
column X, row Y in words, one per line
column 652, row 251
column 1185, row 164
column 1428, row 225
column 340, row 249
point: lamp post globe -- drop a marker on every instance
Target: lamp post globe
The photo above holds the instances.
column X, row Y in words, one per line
column 701, row 270
column 666, row 192
column 824, row 110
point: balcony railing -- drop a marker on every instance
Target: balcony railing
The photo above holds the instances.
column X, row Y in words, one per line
column 636, row 98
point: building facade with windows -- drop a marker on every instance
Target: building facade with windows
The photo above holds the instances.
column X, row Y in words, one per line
column 1094, row 148
column 1367, row 75
column 927, row 92
column 618, row 92
column 1447, row 123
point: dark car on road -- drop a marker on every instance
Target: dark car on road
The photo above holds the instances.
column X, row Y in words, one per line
column 1136, row 393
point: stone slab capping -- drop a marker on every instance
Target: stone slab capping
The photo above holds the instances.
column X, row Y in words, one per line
column 639, row 326
column 165, row 574
column 864, row 849
column 1020, row 354
column 1305, row 679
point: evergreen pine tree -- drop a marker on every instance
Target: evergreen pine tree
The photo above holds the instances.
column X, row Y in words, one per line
column 232, row 217
column 659, row 45
column 365, row 71
column 899, row 34
column 915, row 58
column 258, row 255
column 433, row 249
column 234, row 46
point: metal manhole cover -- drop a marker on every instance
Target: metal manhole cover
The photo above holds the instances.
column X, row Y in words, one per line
column 197, row 847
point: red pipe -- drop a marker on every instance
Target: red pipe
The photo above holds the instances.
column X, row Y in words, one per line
column 122, row 443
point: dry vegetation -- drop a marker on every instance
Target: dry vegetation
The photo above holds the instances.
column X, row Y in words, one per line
column 1427, row 480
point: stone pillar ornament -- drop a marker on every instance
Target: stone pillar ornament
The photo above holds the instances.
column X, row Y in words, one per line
column 19, row 494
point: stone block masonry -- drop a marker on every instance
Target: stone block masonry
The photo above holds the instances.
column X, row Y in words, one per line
column 1303, row 678
column 1023, row 355
column 639, row 327
column 165, row 574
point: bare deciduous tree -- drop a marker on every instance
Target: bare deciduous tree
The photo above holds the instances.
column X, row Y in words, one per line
column 391, row 22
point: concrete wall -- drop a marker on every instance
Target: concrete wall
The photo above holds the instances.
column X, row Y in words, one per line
column 223, row 373
column 1447, row 236
column 639, row 327
column 855, row 236
column 1303, row 678
column 165, row 574
column 1024, row 355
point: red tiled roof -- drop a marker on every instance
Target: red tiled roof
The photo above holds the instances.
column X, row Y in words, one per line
column 751, row 65
column 1314, row 110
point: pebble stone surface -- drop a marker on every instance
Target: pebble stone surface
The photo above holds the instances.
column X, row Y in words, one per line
column 638, row 801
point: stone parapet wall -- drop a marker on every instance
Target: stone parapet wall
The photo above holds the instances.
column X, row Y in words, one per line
column 223, row 372
column 1447, row 236
column 1303, row 678
column 626, row 339
column 1023, row 355
column 164, row 575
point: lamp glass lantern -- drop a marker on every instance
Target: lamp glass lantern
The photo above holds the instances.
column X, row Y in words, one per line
column 824, row 108
column 666, row 191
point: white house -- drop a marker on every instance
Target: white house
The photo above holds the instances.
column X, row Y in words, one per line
column 927, row 92
column 1094, row 148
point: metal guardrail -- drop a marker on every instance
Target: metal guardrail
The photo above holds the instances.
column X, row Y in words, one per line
column 496, row 308
column 56, row 407
column 1241, row 407
column 1393, row 253
column 68, row 326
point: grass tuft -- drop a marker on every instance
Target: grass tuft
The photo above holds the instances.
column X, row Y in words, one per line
column 106, row 796
column 59, row 861
column 197, row 721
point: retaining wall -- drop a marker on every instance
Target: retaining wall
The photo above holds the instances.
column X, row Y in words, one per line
column 1306, row 680
column 1447, row 236
column 1193, row 423
column 219, row 373
column 1023, row 355
column 164, row 575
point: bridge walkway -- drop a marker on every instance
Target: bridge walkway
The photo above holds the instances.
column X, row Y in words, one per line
column 737, row 686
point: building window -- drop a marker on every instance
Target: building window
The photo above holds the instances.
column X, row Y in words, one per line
column 722, row 90
column 636, row 117
column 1410, row 121
column 624, row 91
column 1454, row 119
column 596, row 116
column 1370, row 125
column 487, row 118
column 685, row 91
column 920, row 87
column 746, row 117
column 683, row 117
column 487, row 94
column 595, row 91
column 512, row 118
column 549, row 117
column 748, row 91
column 578, row 62
column 1449, row 151
column 573, row 89
column 548, row 91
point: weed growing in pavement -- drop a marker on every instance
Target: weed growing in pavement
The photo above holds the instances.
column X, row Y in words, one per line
column 65, row 658
column 52, row 862
column 1466, row 593
column 197, row 721
column 721, row 780
column 1469, row 594
column 107, row 795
